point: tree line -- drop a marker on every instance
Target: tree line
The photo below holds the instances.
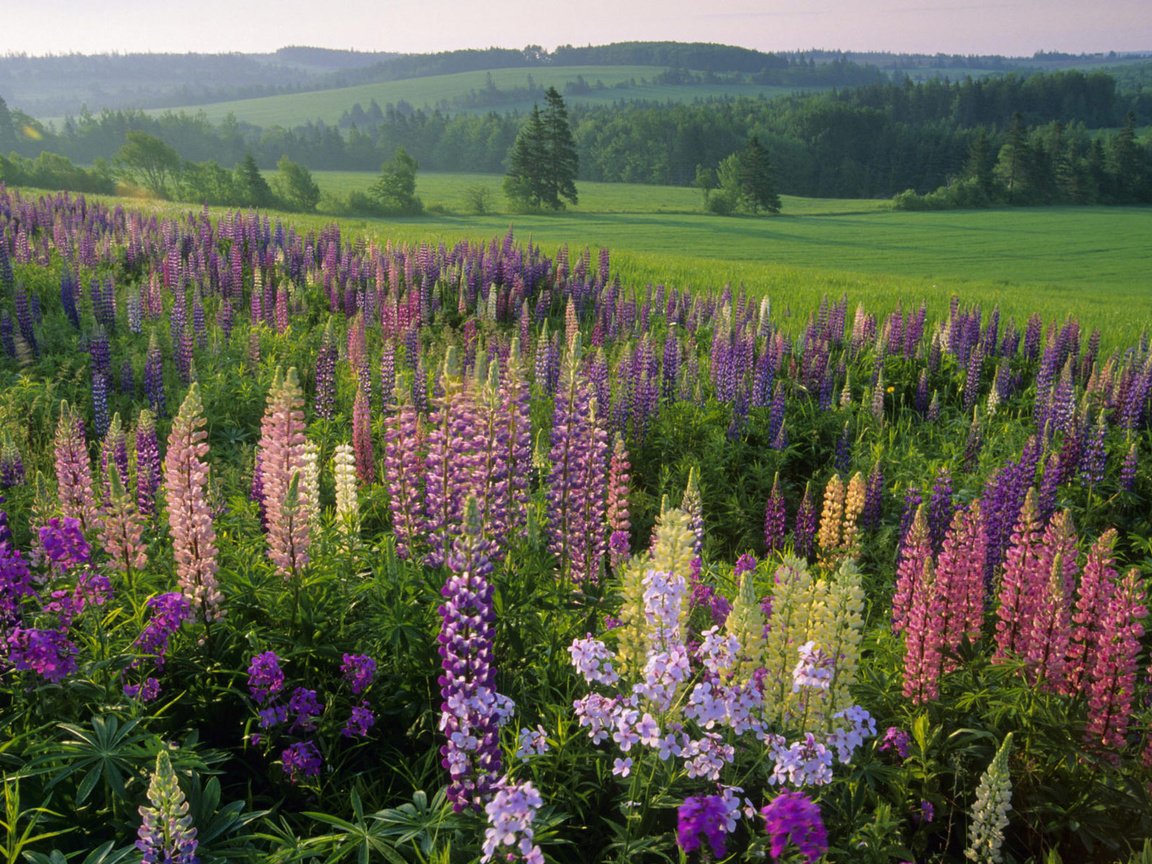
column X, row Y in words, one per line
column 874, row 141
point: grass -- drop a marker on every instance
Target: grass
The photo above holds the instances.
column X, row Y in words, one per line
column 1092, row 263
column 619, row 82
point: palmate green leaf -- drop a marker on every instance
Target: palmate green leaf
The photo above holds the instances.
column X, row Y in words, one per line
column 105, row 854
column 357, row 837
column 107, row 750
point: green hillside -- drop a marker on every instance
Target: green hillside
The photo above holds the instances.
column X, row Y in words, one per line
column 600, row 85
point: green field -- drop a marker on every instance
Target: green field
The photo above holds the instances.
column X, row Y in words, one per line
column 619, row 82
column 1094, row 263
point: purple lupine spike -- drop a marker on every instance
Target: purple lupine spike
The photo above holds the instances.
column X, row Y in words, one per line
column 1128, row 469
column 843, row 458
column 362, row 439
column 388, row 375
column 471, row 710
column 940, row 508
column 7, row 337
column 404, row 470
column 912, row 501
column 1094, row 457
column 148, row 472
column 154, row 378
column 873, row 498
column 25, row 321
column 776, row 415
column 100, row 417
column 775, row 518
column 11, row 470
column 324, row 402
column 68, row 288
column 806, row 524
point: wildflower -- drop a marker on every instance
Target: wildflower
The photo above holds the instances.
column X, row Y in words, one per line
column 702, row 815
column 358, row 670
column 896, row 739
column 301, row 760
column 531, row 742
column 359, row 722
column 48, row 653
column 990, row 812
column 511, row 813
column 306, row 706
column 792, row 817
column 166, row 832
column 265, row 679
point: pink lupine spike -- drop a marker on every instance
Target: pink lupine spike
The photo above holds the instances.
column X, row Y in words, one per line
column 281, row 452
column 1112, row 681
column 1021, row 582
column 1095, row 593
column 73, row 470
column 189, row 516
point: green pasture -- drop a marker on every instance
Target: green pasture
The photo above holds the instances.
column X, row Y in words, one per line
column 1093, row 263
column 608, row 83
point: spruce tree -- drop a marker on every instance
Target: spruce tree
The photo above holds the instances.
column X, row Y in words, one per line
column 757, row 183
column 524, row 183
column 543, row 162
column 563, row 163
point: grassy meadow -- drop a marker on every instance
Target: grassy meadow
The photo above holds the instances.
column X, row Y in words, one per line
column 1093, row 263
column 609, row 84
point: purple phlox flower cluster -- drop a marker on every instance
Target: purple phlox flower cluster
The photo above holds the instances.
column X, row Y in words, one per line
column 896, row 739
column 803, row 763
column 531, row 742
column 718, row 651
column 792, row 817
column 358, row 670
column 511, row 813
column 815, row 668
column 702, row 816
column 146, row 691
column 304, row 704
column 301, row 760
column 169, row 612
column 265, row 678
column 664, row 673
column 359, row 722
column 927, row 811
column 63, row 543
column 706, row 757
column 593, row 660
column 48, row 653
column 845, row 739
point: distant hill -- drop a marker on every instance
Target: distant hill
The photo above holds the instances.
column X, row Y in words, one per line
column 56, row 86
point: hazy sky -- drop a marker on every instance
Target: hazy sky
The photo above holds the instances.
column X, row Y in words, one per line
column 1012, row 27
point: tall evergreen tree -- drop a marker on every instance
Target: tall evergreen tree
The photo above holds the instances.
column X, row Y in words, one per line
column 757, row 183
column 251, row 188
column 542, row 164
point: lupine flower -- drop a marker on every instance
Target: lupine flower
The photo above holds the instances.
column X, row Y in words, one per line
column 702, row 816
column 148, row 471
column 1128, row 469
column 404, row 469
column 344, row 475
column 804, row 528
column 189, row 515
column 511, row 813
column 362, row 439
column 693, row 506
column 793, row 818
column 282, row 448
column 73, row 470
column 324, row 400
column 1021, row 583
column 301, row 760
column 775, row 514
column 169, row 612
column 990, row 812
column 1112, row 681
column 166, row 832
column 1093, row 601
column 471, row 711
column 122, row 531
column 11, row 464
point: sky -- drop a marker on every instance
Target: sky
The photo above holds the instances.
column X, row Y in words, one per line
column 1008, row 27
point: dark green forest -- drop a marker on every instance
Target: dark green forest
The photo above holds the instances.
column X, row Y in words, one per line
column 1063, row 137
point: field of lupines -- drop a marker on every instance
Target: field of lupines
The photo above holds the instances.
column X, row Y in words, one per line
column 317, row 550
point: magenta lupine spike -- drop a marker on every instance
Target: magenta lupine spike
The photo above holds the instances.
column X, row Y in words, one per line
column 1049, row 635
column 281, row 468
column 471, row 710
column 775, row 516
column 1093, row 597
column 148, row 471
column 73, row 470
column 189, row 515
column 960, row 579
column 922, row 636
column 619, row 487
column 916, row 549
column 362, row 439
column 1112, row 681
column 404, row 470
column 515, row 399
column 1020, row 583
column 122, row 530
